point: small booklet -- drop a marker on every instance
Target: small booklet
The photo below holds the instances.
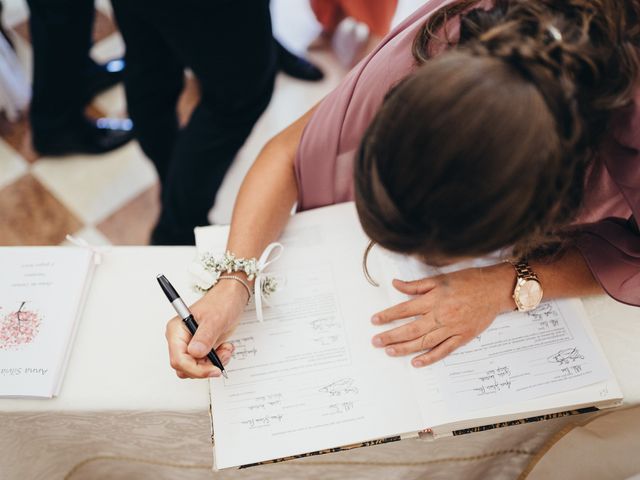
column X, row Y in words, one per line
column 42, row 291
column 307, row 380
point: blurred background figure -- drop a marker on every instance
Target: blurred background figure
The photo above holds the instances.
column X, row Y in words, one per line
column 115, row 198
column 297, row 67
column 15, row 91
column 230, row 49
column 65, row 79
column 376, row 15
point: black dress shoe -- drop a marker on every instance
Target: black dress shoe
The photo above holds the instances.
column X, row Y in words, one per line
column 297, row 67
column 101, row 77
column 91, row 136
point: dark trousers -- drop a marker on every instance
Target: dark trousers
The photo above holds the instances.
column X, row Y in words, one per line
column 228, row 45
column 61, row 40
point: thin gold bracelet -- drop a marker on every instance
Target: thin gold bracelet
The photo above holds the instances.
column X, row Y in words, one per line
column 239, row 280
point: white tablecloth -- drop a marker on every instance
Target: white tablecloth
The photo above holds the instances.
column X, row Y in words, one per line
column 123, row 414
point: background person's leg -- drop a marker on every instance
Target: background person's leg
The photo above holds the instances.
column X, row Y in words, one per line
column 61, row 40
column 376, row 15
column 154, row 79
column 62, row 82
column 329, row 14
column 229, row 47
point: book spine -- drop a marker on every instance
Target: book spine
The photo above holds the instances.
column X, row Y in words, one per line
column 537, row 418
column 344, row 448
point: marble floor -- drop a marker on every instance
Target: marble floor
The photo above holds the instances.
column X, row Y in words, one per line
column 113, row 198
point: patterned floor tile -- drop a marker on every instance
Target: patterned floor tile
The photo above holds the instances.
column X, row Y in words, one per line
column 31, row 215
column 188, row 99
column 22, row 29
column 18, row 135
column 94, row 111
column 132, row 224
column 105, row 7
column 103, row 27
column 12, row 165
column 112, row 102
column 108, row 48
column 94, row 186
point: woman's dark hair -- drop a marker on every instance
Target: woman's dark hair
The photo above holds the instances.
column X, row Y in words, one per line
column 488, row 144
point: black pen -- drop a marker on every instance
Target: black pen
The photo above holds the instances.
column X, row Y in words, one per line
column 187, row 317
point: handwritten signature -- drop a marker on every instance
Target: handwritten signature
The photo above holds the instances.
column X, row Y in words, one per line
column 340, row 387
column 565, row 356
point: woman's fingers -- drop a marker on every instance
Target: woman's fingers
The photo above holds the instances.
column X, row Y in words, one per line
column 424, row 342
column 185, row 364
column 209, row 328
column 225, row 351
column 416, row 287
column 180, row 360
column 438, row 352
column 405, row 333
column 410, row 308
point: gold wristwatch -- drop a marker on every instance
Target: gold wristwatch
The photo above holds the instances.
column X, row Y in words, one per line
column 528, row 291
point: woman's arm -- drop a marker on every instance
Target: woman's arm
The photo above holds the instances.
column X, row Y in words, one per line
column 266, row 198
column 567, row 276
column 454, row 308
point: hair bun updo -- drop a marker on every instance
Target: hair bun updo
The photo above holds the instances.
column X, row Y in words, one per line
column 435, row 178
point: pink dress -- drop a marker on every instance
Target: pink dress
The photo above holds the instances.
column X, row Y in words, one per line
column 609, row 238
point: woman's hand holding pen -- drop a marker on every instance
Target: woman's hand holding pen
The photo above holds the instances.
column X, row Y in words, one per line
column 449, row 310
column 217, row 314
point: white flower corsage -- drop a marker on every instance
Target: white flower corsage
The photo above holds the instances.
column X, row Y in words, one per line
column 210, row 269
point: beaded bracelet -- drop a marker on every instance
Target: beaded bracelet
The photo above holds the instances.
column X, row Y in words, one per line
column 239, row 280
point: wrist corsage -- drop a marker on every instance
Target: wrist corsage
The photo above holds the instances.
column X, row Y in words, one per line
column 211, row 269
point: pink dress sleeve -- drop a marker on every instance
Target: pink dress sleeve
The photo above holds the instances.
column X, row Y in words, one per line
column 611, row 245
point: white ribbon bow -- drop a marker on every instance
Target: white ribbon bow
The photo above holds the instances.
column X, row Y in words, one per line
column 263, row 262
column 97, row 251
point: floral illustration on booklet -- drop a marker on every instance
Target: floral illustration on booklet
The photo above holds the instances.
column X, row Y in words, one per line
column 19, row 327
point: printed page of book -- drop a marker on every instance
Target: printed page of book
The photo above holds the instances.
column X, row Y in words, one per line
column 544, row 360
column 41, row 289
column 308, row 378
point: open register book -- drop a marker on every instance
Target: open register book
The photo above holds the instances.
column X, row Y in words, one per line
column 308, row 380
column 42, row 291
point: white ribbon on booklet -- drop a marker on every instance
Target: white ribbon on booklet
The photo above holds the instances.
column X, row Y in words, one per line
column 81, row 242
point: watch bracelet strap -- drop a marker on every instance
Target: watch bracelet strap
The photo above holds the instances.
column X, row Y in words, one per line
column 524, row 271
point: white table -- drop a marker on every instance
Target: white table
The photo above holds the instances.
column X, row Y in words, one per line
column 122, row 413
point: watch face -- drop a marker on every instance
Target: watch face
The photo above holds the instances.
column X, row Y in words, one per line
column 530, row 294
